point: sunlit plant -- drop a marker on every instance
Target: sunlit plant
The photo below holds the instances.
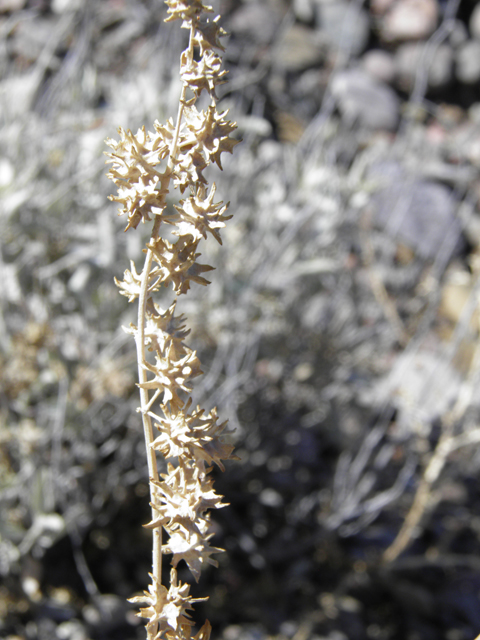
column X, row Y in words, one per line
column 146, row 167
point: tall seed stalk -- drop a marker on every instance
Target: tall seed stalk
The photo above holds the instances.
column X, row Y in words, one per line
column 146, row 165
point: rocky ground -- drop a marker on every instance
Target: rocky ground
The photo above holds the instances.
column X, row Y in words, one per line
column 339, row 335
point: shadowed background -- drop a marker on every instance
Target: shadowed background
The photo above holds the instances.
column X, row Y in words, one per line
column 339, row 335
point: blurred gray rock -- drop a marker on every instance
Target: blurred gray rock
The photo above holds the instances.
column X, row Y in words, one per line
column 410, row 20
column 344, row 26
column 11, row 5
column 106, row 612
column 298, row 49
column 303, row 10
column 440, row 70
column 308, row 90
column 458, row 34
column 255, row 20
column 422, row 386
column 71, row 630
column 31, row 37
column 244, row 632
column 61, row 6
column 474, row 24
column 380, row 65
column 468, row 137
column 364, row 101
column 438, row 67
column 474, row 113
column 418, row 213
column 407, row 58
column 468, row 62
column 380, row 7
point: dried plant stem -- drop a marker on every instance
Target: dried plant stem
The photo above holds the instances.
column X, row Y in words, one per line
column 142, row 372
column 377, row 285
column 447, row 444
column 146, row 420
column 141, row 360
column 189, row 438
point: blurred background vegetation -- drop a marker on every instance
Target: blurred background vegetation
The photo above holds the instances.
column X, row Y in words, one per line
column 339, row 335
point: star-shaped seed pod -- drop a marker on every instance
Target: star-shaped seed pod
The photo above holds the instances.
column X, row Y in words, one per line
column 189, row 168
column 140, row 200
column 208, row 34
column 205, row 74
column 184, row 632
column 182, row 499
column 211, row 131
column 192, row 435
column 166, row 608
column 163, row 328
column 136, row 154
column 131, row 284
column 186, row 10
column 199, row 215
column 178, row 263
column 172, row 376
column 193, row 548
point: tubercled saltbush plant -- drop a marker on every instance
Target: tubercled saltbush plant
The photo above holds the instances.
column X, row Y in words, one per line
column 146, row 166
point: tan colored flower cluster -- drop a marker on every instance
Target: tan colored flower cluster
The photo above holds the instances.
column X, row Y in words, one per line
column 146, row 165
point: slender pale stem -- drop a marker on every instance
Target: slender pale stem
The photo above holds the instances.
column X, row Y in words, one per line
column 147, row 423
column 145, row 400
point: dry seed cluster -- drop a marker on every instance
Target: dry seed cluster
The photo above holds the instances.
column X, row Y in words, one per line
column 145, row 166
